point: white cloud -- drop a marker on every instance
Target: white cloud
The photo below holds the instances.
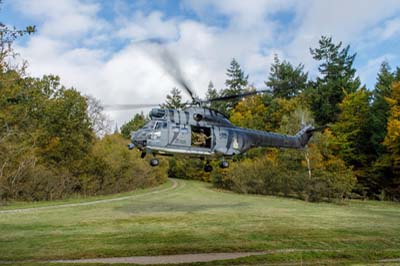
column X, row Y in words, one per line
column 371, row 68
column 347, row 21
column 70, row 30
column 63, row 18
column 391, row 28
column 142, row 27
column 242, row 14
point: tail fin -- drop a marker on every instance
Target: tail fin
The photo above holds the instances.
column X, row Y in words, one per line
column 305, row 134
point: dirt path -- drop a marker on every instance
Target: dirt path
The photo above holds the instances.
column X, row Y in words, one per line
column 67, row 205
column 170, row 259
column 202, row 257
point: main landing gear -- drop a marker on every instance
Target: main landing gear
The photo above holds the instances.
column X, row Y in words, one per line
column 208, row 168
column 224, row 164
column 154, row 162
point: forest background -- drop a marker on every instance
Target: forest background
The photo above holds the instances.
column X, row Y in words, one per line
column 55, row 142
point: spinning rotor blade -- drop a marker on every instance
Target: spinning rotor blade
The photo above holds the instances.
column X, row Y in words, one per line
column 117, row 107
column 231, row 97
column 171, row 65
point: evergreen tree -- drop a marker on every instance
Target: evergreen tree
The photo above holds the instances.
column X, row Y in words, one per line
column 134, row 124
column 380, row 108
column 352, row 128
column 174, row 100
column 285, row 80
column 337, row 77
column 212, row 93
column 392, row 139
column 353, row 136
column 236, row 83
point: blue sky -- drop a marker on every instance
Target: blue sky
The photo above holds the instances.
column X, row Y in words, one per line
column 102, row 47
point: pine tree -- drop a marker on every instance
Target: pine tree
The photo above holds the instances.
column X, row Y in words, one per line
column 285, row 80
column 134, row 124
column 236, row 84
column 392, row 139
column 337, row 77
column 211, row 91
column 380, row 108
column 174, row 100
column 353, row 136
column 236, row 81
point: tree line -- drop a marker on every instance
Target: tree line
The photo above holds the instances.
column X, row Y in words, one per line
column 54, row 141
column 50, row 144
column 357, row 155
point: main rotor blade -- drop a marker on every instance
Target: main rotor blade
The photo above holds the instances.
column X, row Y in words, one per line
column 171, row 65
column 117, row 107
column 231, row 97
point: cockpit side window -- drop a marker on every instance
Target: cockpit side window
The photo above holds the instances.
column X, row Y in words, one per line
column 149, row 125
column 158, row 126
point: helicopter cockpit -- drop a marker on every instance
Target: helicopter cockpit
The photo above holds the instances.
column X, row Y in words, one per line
column 151, row 130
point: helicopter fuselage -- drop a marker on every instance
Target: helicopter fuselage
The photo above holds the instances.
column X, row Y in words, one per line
column 203, row 132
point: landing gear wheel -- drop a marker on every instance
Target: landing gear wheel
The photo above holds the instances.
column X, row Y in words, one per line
column 208, row 168
column 224, row 164
column 154, row 162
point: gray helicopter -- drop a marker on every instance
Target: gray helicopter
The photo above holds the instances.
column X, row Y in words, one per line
column 199, row 131
column 205, row 133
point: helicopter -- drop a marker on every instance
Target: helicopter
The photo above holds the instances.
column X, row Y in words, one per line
column 198, row 131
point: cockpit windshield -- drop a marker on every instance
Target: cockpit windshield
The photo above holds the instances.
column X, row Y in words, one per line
column 149, row 125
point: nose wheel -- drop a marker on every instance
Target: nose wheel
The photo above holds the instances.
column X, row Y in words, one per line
column 224, row 164
column 154, row 162
column 208, row 168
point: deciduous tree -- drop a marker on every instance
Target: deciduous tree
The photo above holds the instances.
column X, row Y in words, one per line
column 392, row 139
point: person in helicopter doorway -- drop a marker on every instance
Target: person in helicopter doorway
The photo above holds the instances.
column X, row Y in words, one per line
column 200, row 138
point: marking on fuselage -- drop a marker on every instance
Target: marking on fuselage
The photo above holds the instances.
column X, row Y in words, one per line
column 171, row 115
column 229, row 142
column 235, row 143
column 187, row 117
column 214, row 138
column 176, row 134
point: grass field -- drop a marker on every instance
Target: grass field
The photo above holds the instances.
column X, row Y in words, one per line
column 194, row 218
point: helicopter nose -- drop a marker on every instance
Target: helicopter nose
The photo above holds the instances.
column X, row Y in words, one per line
column 138, row 140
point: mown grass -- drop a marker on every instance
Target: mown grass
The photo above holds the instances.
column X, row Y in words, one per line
column 194, row 218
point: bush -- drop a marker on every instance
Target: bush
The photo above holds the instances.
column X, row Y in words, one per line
column 287, row 173
column 108, row 168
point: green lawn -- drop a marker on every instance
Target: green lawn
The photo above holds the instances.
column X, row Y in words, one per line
column 194, row 218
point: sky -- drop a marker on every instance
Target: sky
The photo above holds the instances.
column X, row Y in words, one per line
column 108, row 49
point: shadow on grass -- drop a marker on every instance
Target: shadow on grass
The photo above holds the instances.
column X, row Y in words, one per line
column 176, row 207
